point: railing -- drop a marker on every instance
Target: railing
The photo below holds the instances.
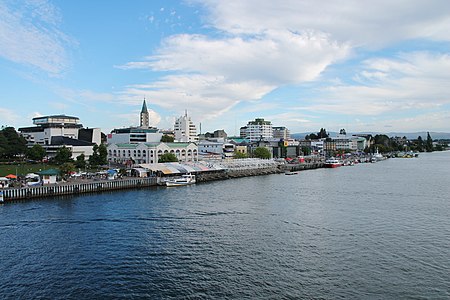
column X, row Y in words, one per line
column 76, row 188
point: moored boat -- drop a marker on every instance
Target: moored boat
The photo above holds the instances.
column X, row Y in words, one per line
column 332, row 163
column 185, row 179
column 290, row 173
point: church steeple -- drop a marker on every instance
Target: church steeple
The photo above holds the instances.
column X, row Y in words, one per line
column 145, row 119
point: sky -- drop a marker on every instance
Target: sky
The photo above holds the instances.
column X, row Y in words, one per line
column 366, row 66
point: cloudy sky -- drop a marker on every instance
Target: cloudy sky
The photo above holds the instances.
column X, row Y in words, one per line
column 360, row 65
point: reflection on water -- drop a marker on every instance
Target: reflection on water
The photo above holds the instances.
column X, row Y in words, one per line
column 372, row 230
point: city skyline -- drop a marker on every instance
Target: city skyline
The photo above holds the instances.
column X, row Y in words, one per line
column 359, row 65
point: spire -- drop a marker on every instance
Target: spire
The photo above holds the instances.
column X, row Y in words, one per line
column 144, row 107
column 145, row 118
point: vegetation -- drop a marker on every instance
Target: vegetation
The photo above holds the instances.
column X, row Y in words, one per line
column 23, row 168
column 168, row 157
column 429, row 143
column 63, row 155
column 80, row 162
column 36, row 153
column 239, row 155
column 66, row 169
column 306, row 150
column 11, row 143
column 262, row 152
column 99, row 156
column 167, row 139
column 322, row 134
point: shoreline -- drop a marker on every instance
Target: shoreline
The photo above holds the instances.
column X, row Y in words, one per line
column 95, row 186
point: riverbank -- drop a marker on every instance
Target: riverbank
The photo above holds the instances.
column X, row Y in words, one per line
column 227, row 170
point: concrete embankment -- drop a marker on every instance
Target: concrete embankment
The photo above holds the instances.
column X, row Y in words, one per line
column 303, row 166
column 231, row 170
column 76, row 188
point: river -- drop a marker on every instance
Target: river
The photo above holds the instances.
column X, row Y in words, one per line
column 369, row 231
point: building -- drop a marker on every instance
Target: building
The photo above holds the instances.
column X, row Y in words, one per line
column 185, row 130
column 209, row 149
column 145, row 118
column 142, row 134
column 281, row 133
column 55, row 131
column 257, row 130
column 149, row 153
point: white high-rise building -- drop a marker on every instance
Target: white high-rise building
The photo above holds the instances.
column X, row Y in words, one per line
column 258, row 130
column 185, row 130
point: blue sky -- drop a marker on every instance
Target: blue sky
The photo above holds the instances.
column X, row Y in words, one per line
column 360, row 65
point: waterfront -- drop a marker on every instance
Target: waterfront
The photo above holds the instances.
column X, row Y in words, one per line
column 368, row 231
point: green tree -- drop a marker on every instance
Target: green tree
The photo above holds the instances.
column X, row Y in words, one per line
column 167, row 139
column 238, row 155
column 37, row 152
column 429, row 144
column 3, row 144
column 99, row 155
column 12, row 144
column 66, row 169
column 63, row 155
column 80, row 162
column 311, row 136
column 168, row 157
column 102, row 154
column 94, row 159
column 420, row 144
column 262, row 152
column 322, row 133
column 306, row 150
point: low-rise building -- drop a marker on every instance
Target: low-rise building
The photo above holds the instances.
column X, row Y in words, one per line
column 149, row 153
column 55, row 131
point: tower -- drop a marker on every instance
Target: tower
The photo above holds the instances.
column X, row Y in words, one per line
column 145, row 119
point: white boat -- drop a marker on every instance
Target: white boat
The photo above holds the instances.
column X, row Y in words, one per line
column 377, row 156
column 332, row 163
column 33, row 179
column 185, row 179
column 290, row 173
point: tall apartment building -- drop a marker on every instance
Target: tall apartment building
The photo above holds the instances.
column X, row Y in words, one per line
column 281, row 133
column 185, row 130
column 257, row 130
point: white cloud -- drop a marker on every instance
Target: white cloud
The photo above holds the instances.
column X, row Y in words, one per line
column 8, row 117
column 29, row 35
column 367, row 23
column 414, row 81
column 213, row 75
column 274, row 57
column 260, row 46
column 206, row 97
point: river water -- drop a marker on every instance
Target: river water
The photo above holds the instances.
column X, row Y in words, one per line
column 370, row 231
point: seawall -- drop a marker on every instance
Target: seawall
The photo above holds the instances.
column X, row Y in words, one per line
column 73, row 188
column 76, row 188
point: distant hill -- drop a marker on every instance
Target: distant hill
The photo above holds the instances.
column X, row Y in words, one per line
column 409, row 135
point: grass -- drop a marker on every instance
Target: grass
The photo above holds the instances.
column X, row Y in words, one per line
column 23, row 169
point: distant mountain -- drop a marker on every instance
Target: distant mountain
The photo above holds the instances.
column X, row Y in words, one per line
column 409, row 135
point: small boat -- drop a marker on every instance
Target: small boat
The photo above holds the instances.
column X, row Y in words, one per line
column 185, row 179
column 290, row 173
column 33, row 179
column 332, row 163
